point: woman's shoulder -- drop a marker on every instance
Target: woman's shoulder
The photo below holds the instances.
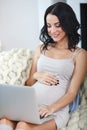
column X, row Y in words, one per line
column 80, row 51
column 38, row 50
column 81, row 54
column 39, row 47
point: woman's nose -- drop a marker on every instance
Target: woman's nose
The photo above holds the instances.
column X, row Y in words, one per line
column 53, row 29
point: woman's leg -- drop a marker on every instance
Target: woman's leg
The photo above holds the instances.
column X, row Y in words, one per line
column 6, row 124
column 49, row 125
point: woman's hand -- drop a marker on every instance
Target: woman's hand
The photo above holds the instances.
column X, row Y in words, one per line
column 45, row 111
column 46, row 78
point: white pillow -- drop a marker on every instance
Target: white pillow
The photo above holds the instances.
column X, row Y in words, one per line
column 15, row 66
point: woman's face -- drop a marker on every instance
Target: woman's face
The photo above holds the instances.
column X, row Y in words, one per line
column 54, row 28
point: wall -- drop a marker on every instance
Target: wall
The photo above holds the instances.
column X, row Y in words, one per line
column 19, row 26
column 54, row 1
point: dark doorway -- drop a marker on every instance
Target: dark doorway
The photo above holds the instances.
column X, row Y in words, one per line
column 83, row 14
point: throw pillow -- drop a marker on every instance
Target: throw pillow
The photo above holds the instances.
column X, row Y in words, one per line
column 15, row 65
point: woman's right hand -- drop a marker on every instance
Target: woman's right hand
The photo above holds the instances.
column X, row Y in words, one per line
column 46, row 78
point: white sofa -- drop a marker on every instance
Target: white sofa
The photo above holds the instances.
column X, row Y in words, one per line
column 15, row 65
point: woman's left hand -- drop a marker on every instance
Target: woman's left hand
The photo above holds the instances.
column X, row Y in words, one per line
column 45, row 111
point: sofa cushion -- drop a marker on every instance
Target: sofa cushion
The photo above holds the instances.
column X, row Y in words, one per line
column 15, row 65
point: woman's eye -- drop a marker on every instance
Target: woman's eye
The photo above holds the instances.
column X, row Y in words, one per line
column 48, row 26
column 58, row 26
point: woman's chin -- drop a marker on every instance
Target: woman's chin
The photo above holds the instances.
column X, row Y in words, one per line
column 56, row 40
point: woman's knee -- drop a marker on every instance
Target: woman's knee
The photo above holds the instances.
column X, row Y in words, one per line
column 7, row 122
column 4, row 121
column 21, row 125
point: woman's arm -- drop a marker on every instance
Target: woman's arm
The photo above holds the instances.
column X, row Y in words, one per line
column 31, row 80
column 76, row 81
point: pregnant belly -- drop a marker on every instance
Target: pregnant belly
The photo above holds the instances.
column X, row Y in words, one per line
column 48, row 94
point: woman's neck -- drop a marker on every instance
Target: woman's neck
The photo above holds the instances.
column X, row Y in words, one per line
column 61, row 47
column 62, row 44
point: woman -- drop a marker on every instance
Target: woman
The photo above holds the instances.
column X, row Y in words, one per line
column 58, row 69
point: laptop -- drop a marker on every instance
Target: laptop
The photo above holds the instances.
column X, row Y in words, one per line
column 19, row 103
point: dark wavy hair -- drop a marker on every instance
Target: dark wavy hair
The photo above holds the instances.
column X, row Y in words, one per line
column 68, row 22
